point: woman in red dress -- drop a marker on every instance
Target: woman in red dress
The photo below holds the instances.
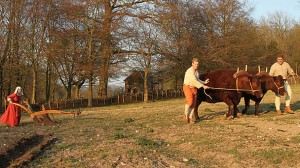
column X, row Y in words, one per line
column 12, row 114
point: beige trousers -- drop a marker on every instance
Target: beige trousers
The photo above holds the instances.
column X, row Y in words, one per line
column 288, row 96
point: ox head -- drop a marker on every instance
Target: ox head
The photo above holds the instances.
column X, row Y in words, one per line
column 273, row 83
column 249, row 83
column 278, row 87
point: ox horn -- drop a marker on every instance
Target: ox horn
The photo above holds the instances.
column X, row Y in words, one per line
column 246, row 68
column 266, row 69
column 238, row 69
column 258, row 68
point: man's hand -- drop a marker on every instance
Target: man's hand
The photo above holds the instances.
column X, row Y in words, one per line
column 205, row 87
column 206, row 81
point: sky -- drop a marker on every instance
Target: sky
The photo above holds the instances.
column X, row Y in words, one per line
column 263, row 8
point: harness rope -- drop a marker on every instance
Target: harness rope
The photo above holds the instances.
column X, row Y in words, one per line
column 245, row 90
column 278, row 88
column 214, row 88
column 237, row 88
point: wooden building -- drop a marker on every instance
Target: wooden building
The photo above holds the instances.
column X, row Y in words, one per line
column 134, row 83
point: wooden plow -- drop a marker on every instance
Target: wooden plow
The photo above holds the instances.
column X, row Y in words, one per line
column 42, row 117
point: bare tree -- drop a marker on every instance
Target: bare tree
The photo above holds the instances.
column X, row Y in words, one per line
column 5, row 38
column 36, row 34
column 147, row 51
column 113, row 15
column 276, row 32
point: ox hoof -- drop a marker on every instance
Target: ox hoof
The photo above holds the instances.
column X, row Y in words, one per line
column 239, row 114
column 226, row 117
column 192, row 122
column 230, row 117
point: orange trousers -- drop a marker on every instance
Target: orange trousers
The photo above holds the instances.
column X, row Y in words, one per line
column 190, row 94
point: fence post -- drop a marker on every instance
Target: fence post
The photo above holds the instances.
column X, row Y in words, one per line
column 118, row 98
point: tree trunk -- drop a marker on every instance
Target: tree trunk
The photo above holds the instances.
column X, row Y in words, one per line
column 77, row 90
column 68, row 91
column 78, row 87
column 106, row 50
column 146, row 92
column 48, row 81
column 90, row 92
column 103, row 79
column 1, row 89
column 34, row 86
column 90, row 63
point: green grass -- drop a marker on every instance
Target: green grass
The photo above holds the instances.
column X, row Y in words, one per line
column 296, row 139
column 146, row 142
column 128, row 120
column 275, row 156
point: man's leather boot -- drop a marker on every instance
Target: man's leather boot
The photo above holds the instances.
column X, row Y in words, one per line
column 279, row 112
column 289, row 110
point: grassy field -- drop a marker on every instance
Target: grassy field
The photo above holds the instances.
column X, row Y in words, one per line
column 154, row 135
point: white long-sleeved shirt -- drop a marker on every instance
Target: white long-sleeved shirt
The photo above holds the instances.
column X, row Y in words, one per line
column 284, row 70
column 191, row 78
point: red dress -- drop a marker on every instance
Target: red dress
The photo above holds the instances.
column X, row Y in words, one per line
column 12, row 114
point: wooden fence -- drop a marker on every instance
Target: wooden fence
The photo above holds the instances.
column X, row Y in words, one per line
column 117, row 99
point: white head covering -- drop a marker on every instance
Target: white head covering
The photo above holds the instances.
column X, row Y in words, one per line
column 16, row 91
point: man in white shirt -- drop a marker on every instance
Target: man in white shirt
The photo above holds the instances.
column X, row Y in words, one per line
column 190, row 85
column 283, row 68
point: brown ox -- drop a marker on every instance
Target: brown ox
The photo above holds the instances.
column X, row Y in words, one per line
column 273, row 83
column 227, row 86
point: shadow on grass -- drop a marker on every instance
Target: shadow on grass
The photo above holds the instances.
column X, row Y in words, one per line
column 211, row 116
column 296, row 106
column 265, row 108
